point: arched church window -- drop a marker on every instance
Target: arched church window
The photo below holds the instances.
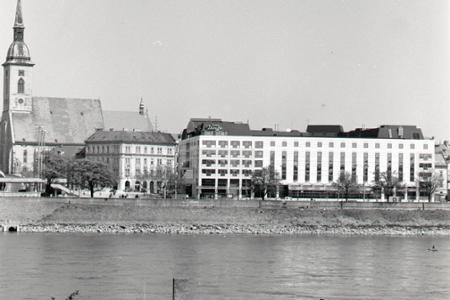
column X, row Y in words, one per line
column 21, row 86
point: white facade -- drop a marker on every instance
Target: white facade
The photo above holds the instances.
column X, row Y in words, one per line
column 235, row 157
column 138, row 167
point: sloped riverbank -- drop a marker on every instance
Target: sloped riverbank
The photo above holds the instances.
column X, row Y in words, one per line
column 138, row 217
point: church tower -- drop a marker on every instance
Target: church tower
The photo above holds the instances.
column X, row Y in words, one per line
column 17, row 71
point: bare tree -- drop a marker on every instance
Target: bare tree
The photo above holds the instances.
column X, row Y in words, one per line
column 346, row 184
column 265, row 181
column 387, row 183
column 429, row 184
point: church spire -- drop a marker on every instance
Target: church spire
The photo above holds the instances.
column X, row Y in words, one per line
column 18, row 22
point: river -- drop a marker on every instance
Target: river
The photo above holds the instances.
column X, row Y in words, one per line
column 108, row 266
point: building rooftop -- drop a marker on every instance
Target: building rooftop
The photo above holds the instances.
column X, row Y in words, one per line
column 131, row 137
column 209, row 126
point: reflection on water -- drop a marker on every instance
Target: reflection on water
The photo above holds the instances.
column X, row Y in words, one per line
column 37, row 266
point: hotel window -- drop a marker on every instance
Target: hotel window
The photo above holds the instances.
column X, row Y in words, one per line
column 247, row 163
column 152, row 162
column 21, row 86
column 284, row 144
column 389, row 145
column 145, row 150
column 223, row 144
column 412, row 146
column 366, row 167
column 319, row 144
column 222, row 172
column 411, row 167
column 366, row 145
column 25, row 156
column 319, row 166
column 389, row 165
column 342, row 145
column 272, row 160
column 235, row 144
column 377, row 167
column 307, row 166
column 21, row 73
column 400, row 146
column 400, row 167
column 247, row 144
column 272, row 143
column 152, row 150
column 283, row 165
column 331, row 144
column 308, row 144
column 208, row 162
column 247, row 153
column 425, row 146
column 258, row 163
column 330, row 166
column 259, row 144
column 159, row 150
column 223, row 153
column 342, row 163
column 353, row 145
column 169, row 151
column 138, row 149
column 234, row 163
column 295, row 166
column 234, row 153
column 258, row 154
column 295, row 144
column 159, row 161
column 107, row 149
column 377, row 145
column 353, row 166
column 234, row 173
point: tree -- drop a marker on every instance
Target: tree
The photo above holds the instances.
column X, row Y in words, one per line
column 54, row 166
column 387, row 183
column 346, row 184
column 264, row 181
column 91, row 174
column 430, row 184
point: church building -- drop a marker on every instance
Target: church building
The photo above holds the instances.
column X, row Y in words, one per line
column 31, row 125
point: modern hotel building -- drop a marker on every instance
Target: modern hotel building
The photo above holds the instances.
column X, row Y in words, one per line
column 217, row 158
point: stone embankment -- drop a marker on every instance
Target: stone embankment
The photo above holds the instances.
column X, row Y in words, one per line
column 257, row 229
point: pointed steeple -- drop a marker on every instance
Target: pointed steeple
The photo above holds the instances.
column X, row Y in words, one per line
column 18, row 22
column 141, row 107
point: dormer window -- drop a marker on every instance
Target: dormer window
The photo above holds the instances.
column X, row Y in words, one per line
column 21, row 86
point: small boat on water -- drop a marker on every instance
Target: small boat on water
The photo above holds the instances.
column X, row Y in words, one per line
column 433, row 249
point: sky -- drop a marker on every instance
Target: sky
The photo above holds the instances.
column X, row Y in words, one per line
column 284, row 63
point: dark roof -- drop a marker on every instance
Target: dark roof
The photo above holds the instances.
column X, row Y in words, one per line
column 324, row 130
column 65, row 120
column 131, row 137
column 128, row 120
column 388, row 132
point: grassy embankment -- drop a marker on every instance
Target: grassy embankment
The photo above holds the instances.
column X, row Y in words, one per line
column 49, row 216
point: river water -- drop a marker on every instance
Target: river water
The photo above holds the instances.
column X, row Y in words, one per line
column 108, row 266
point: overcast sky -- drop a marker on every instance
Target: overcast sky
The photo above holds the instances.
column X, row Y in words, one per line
column 349, row 62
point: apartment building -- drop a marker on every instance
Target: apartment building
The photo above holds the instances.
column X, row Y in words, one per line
column 140, row 160
column 217, row 158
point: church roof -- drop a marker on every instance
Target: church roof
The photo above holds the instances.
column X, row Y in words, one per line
column 65, row 120
column 128, row 120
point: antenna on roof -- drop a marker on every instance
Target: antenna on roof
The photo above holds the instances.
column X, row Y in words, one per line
column 156, row 123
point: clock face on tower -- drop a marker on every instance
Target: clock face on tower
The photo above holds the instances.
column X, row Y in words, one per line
column 20, row 101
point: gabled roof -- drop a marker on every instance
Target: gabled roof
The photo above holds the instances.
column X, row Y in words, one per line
column 128, row 120
column 131, row 137
column 64, row 120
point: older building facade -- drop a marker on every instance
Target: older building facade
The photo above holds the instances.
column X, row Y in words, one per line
column 140, row 161
column 218, row 158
